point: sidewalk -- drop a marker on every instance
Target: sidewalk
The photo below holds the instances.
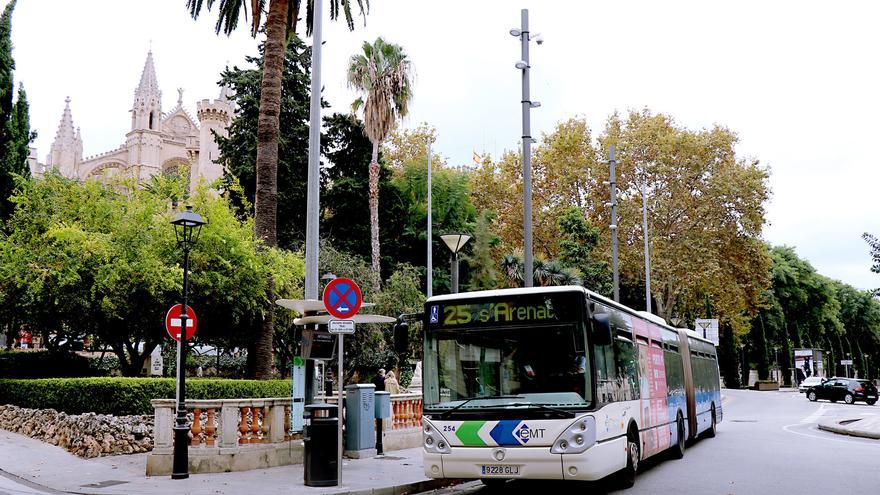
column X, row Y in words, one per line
column 398, row 473
column 860, row 427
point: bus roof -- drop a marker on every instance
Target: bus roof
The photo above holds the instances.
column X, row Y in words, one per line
column 564, row 288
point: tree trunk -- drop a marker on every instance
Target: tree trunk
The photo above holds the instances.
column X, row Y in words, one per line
column 265, row 200
column 374, row 216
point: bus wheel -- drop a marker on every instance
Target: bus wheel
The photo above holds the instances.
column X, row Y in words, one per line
column 627, row 476
column 678, row 449
column 710, row 433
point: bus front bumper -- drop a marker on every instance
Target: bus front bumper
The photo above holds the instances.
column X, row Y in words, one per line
column 598, row 461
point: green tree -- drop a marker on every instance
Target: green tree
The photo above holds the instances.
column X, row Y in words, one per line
column 238, row 151
column 101, row 260
column 281, row 20
column 481, row 262
column 382, row 73
column 579, row 239
column 15, row 133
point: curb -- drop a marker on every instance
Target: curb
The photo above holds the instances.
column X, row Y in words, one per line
column 416, row 487
column 841, row 429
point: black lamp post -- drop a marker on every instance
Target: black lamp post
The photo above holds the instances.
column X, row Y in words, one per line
column 187, row 225
column 455, row 242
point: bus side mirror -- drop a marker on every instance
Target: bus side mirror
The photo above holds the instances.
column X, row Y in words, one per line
column 601, row 329
column 401, row 337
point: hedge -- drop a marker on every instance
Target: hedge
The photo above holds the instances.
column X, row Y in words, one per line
column 122, row 396
column 44, row 364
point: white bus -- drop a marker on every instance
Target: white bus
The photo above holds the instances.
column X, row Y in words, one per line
column 558, row 383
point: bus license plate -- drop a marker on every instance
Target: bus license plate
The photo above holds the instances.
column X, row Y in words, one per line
column 493, row 470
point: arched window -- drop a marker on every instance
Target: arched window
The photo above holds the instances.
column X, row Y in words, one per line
column 151, row 120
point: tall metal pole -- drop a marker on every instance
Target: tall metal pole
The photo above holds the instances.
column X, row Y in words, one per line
column 613, row 183
column 313, row 186
column 430, row 230
column 647, row 253
column 454, row 261
column 529, row 273
column 180, row 460
column 339, row 400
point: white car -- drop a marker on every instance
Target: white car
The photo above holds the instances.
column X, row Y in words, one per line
column 810, row 382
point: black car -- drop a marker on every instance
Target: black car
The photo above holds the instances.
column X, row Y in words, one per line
column 848, row 390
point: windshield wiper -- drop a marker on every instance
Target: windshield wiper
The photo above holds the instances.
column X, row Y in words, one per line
column 468, row 399
column 542, row 407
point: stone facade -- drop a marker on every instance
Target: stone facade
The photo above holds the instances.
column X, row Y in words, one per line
column 158, row 142
column 85, row 435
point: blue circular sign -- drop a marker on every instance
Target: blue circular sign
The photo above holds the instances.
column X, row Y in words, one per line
column 342, row 298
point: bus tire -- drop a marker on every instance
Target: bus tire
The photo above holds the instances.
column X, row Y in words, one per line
column 626, row 477
column 710, row 433
column 677, row 450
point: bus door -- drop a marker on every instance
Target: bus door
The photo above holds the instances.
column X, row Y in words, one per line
column 689, row 389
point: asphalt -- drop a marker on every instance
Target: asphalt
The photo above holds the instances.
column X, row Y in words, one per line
column 29, row 466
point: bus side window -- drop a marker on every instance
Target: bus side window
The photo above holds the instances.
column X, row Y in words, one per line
column 616, row 363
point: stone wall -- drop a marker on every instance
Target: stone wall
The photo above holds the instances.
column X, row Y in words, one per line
column 85, row 435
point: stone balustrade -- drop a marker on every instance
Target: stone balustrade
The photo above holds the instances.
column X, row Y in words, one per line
column 226, row 435
column 406, row 411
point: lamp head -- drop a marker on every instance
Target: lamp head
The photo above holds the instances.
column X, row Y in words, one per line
column 187, row 225
column 515, row 32
column 455, row 241
column 521, row 65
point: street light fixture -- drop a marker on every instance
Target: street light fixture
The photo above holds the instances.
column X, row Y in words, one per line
column 187, row 227
column 455, row 242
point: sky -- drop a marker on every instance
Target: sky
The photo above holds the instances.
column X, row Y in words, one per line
column 797, row 80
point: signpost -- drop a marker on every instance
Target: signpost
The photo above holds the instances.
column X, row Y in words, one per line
column 847, row 363
column 707, row 328
column 342, row 299
column 173, row 322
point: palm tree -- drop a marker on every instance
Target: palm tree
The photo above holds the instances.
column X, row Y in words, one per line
column 281, row 20
column 383, row 74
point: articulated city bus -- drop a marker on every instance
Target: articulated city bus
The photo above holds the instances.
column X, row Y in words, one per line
column 558, row 383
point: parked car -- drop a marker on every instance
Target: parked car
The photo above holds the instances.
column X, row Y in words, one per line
column 810, row 382
column 848, row 390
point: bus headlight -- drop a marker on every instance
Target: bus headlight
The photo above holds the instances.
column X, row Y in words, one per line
column 432, row 440
column 578, row 437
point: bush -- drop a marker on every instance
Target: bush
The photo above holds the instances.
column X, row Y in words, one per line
column 105, row 366
column 44, row 364
column 123, row 396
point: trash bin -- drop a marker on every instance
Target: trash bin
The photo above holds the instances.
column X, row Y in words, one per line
column 320, row 454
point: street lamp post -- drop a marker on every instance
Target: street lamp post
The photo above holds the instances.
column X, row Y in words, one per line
column 612, row 183
column 187, row 225
column 455, row 242
column 527, row 104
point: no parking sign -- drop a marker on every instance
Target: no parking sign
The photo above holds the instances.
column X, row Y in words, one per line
column 342, row 298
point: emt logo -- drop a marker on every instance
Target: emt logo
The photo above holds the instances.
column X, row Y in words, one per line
column 524, row 433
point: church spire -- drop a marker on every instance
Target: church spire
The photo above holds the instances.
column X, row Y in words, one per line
column 149, row 84
column 66, row 151
column 147, row 110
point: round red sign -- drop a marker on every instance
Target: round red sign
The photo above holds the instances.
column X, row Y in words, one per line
column 342, row 298
column 174, row 322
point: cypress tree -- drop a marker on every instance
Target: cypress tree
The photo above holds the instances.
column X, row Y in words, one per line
column 7, row 66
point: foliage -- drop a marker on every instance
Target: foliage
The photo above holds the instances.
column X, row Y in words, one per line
column 576, row 244
column 382, row 74
column 89, row 258
column 411, row 145
column 238, row 151
column 229, row 12
column 546, row 273
column 481, row 260
column 345, row 199
column 123, row 396
column 15, row 133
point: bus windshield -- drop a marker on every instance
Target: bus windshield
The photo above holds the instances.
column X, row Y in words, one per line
column 493, row 358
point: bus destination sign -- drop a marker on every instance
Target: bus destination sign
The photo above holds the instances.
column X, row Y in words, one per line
column 493, row 313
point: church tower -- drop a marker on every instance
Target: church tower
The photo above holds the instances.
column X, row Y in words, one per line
column 144, row 141
column 214, row 116
column 67, row 149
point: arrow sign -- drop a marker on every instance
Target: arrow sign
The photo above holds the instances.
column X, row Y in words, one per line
column 342, row 298
column 174, row 322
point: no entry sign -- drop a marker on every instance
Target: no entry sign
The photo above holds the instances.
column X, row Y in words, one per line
column 342, row 298
column 174, row 322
